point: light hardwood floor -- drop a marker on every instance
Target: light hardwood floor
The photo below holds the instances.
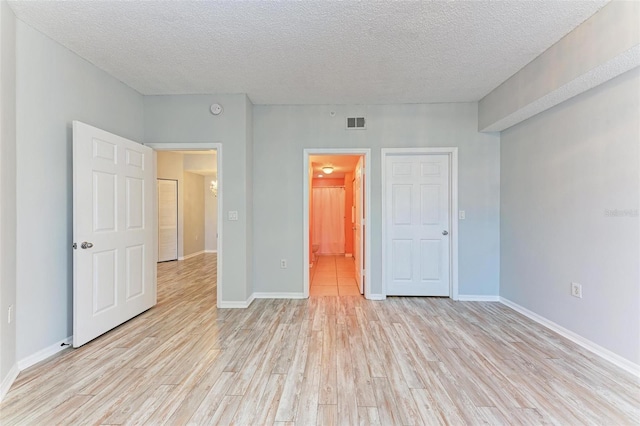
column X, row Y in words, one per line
column 325, row 360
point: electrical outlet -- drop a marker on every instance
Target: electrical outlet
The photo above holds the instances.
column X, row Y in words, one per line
column 283, row 263
column 576, row 290
column 233, row 215
column 10, row 314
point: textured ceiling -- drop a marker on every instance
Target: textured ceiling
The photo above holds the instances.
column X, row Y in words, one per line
column 310, row 52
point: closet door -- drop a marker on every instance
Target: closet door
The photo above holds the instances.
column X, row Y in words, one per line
column 167, row 220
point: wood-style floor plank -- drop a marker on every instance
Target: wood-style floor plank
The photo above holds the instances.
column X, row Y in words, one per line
column 327, row 360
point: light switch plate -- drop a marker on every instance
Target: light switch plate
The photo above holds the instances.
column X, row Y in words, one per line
column 462, row 215
column 233, row 215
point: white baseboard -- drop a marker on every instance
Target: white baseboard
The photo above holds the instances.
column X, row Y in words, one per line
column 348, row 255
column 211, row 251
column 477, row 298
column 45, row 353
column 604, row 353
column 377, row 297
column 279, row 295
column 236, row 305
column 189, row 256
column 8, row 381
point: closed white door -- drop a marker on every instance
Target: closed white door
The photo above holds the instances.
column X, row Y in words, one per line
column 114, row 220
column 358, row 226
column 417, row 213
column 167, row 220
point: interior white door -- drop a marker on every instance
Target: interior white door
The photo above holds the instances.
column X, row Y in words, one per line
column 167, row 220
column 114, row 220
column 359, row 228
column 417, row 213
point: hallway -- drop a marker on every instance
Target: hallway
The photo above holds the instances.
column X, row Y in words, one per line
column 333, row 276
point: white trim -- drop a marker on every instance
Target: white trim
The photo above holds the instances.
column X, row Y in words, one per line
column 279, row 296
column 236, row 305
column 211, row 251
column 8, row 381
column 604, row 353
column 453, row 213
column 377, row 297
column 366, row 153
column 45, row 353
column 191, row 146
column 477, row 298
column 189, row 256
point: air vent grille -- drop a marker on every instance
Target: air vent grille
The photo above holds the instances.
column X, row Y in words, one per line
column 356, row 123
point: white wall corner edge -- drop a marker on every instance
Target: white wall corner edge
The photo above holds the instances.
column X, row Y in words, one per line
column 8, row 381
column 45, row 353
column 376, row 297
column 236, row 304
column 603, row 353
column 478, row 298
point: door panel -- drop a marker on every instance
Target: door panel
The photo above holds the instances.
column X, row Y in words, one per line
column 167, row 220
column 358, row 242
column 417, row 213
column 114, row 275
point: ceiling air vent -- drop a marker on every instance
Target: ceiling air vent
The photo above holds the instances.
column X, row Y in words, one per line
column 355, row 123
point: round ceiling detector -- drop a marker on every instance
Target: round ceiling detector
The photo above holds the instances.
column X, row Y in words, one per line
column 216, row 109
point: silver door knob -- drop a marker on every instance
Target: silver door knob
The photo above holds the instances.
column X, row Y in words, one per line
column 445, row 232
column 86, row 245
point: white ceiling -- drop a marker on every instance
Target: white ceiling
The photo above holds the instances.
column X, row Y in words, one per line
column 310, row 52
column 341, row 164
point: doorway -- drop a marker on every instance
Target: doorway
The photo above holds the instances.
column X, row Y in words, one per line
column 203, row 231
column 336, row 231
column 420, row 222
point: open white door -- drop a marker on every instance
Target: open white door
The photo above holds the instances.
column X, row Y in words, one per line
column 358, row 245
column 114, row 261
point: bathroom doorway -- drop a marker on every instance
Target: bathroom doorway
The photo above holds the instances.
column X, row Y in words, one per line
column 335, row 222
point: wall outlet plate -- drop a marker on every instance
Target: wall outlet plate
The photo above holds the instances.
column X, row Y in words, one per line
column 576, row 290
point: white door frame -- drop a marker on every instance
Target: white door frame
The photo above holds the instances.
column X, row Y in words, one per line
column 366, row 153
column 452, row 152
column 202, row 147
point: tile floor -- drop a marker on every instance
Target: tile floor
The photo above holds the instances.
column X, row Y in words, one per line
column 333, row 276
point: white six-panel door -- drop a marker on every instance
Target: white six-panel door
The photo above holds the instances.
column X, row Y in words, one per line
column 114, row 222
column 167, row 220
column 418, row 224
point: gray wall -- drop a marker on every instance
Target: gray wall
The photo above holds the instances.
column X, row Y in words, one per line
column 7, row 187
column 186, row 119
column 54, row 87
column 282, row 132
column 562, row 170
column 193, row 213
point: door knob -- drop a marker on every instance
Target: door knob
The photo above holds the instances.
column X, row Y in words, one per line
column 445, row 232
column 86, row 245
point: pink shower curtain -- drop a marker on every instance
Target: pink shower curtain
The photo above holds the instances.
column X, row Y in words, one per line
column 328, row 220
